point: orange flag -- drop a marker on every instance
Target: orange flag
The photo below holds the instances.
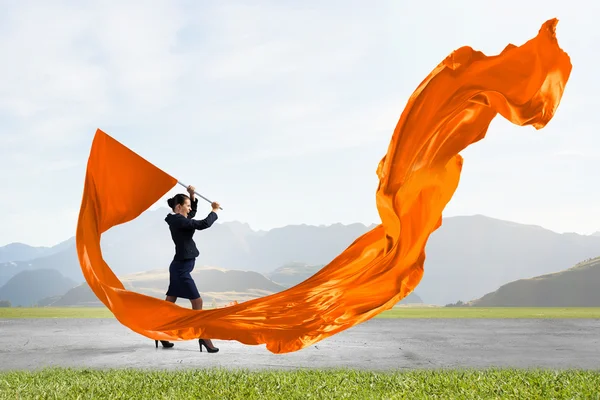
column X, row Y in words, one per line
column 451, row 109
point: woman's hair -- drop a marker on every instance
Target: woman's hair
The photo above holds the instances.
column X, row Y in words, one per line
column 178, row 199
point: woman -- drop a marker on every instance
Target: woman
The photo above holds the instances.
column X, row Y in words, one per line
column 182, row 227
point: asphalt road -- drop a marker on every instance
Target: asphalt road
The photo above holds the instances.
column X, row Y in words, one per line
column 379, row 344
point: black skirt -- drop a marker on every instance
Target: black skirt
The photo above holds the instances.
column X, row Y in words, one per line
column 181, row 283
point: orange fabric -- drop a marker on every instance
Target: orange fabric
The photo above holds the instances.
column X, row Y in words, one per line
column 451, row 109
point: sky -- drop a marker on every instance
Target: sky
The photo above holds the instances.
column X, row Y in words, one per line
column 279, row 110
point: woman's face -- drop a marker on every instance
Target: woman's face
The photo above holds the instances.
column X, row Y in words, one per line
column 185, row 208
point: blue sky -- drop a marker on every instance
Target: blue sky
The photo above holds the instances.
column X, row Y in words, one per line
column 279, row 110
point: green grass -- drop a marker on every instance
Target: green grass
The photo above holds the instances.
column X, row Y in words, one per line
column 301, row 384
column 401, row 312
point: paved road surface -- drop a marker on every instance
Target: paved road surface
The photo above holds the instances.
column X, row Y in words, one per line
column 379, row 344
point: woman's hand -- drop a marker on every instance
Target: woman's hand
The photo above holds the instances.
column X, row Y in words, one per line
column 215, row 206
column 191, row 191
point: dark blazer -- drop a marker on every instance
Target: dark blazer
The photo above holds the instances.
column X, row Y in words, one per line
column 183, row 229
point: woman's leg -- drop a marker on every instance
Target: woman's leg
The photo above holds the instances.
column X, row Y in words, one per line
column 166, row 343
column 171, row 299
column 197, row 305
column 173, row 275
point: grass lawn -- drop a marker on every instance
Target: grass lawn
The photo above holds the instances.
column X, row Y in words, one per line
column 303, row 384
column 400, row 312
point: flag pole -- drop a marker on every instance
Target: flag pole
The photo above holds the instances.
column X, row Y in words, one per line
column 197, row 194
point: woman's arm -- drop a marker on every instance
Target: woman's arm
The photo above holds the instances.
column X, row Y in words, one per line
column 193, row 200
column 198, row 224
column 194, row 209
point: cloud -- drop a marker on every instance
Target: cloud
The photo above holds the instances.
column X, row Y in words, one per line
column 207, row 90
column 70, row 63
column 271, row 42
column 569, row 154
column 72, row 69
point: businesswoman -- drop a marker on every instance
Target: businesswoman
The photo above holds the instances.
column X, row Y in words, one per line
column 182, row 227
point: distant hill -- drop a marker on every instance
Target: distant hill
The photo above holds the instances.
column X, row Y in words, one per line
column 17, row 257
column 24, row 252
column 465, row 259
column 65, row 262
column 292, row 274
column 471, row 256
column 78, row 296
column 216, row 286
column 28, row 287
column 21, row 252
column 574, row 287
column 10, row 269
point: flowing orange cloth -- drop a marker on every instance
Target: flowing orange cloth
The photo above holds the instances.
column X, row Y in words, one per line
column 451, row 109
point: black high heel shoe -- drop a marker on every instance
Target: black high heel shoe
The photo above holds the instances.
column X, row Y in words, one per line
column 201, row 343
column 164, row 343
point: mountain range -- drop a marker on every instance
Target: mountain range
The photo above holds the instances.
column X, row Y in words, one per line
column 574, row 287
column 217, row 286
column 467, row 257
column 24, row 252
column 27, row 287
